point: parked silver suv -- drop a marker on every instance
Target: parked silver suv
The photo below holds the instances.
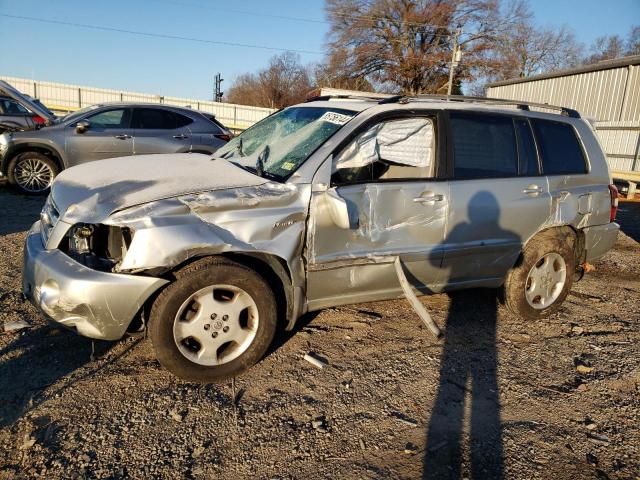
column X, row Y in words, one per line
column 313, row 207
column 31, row 159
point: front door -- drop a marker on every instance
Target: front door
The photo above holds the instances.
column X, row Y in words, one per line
column 395, row 208
column 109, row 135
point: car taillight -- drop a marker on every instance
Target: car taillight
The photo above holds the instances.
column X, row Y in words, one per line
column 38, row 120
column 613, row 192
column 223, row 136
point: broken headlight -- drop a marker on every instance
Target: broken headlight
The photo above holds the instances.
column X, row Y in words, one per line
column 100, row 247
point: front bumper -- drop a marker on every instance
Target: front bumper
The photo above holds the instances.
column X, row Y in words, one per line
column 599, row 240
column 97, row 304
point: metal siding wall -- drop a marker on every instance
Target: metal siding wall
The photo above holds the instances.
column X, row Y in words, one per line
column 60, row 96
column 598, row 95
column 593, row 94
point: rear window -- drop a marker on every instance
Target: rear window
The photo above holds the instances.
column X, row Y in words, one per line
column 559, row 148
column 484, row 146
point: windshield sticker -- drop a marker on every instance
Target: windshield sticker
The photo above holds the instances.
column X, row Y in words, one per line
column 336, row 118
column 288, row 166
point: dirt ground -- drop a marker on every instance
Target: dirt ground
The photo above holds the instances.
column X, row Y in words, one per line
column 556, row 398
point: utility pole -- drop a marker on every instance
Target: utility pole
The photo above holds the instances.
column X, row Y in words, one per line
column 456, row 55
column 217, row 93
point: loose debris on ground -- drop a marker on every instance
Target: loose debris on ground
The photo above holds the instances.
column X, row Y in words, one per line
column 566, row 393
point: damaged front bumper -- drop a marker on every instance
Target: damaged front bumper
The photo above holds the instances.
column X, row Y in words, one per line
column 97, row 304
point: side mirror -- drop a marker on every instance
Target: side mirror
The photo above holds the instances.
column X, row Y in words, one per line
column 337, row 209
column 82, row 126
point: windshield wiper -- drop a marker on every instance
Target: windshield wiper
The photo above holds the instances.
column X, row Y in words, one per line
column 262, row 158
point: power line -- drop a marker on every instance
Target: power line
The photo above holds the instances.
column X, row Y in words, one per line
column 304, row 19
column 157, row 35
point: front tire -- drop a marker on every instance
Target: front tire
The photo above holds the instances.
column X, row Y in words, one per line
column 32, row 173
column 214, row 322
column 537, row 286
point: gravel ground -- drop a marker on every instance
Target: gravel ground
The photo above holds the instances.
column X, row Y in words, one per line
column 556, row 398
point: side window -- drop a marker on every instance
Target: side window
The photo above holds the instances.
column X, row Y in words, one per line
column 182, row 120
column 527, row 156
column 484, row 146
column 9, row 107
column 154, row 118
column 118, row 118
column 390, row 150
column 559, row 148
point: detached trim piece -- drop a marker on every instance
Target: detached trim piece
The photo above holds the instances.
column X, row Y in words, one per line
column 417, row 305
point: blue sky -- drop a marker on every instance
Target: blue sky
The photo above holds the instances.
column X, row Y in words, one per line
column 107, row 59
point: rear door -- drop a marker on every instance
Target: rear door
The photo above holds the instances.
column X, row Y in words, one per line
column 109, row 135
column 159, row 130
column 396, row 208
column 499, row 199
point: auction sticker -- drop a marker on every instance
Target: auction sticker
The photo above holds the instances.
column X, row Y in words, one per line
column 336, row 118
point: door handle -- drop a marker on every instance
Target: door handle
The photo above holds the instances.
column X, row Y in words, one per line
column 533, row 190
column 181, row 136
column 430, row 198
column 123, row 137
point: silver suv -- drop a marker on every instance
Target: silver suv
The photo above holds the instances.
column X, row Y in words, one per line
column 31, row 159
column 314, row 207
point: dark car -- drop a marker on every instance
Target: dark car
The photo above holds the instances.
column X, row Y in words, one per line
column 21, row 112
column 31, row 159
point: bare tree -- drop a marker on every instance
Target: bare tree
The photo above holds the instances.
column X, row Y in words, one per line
column 529, row 50
column 284, row 82
column 606, row 47
column 406, row 45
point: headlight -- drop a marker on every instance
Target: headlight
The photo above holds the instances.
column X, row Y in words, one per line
column 79, row 237
column 5, row 138
column 100, row 247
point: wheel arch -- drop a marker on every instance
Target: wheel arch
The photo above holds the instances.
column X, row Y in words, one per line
column 47, row 150
column 273, row 268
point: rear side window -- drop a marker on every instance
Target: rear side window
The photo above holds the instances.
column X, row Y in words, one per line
column 158, row 119
column 527, row 157
column 484, row 146
column 559, row 147
column 9, row 107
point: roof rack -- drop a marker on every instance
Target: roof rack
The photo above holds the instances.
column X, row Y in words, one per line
column 323, row 98
column 569, row 112
column 498, row 101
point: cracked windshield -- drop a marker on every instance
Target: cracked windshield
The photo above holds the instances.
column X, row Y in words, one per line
column 278, row 145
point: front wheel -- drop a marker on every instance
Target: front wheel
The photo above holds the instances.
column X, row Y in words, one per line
column 32, row 173
column 539, row 284
column 215, row 321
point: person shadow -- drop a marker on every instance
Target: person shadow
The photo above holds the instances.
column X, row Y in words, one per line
column 468, row 365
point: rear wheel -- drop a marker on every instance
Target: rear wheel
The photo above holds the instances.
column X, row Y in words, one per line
column 215, row 321
column 539, row 284
column 32, row 172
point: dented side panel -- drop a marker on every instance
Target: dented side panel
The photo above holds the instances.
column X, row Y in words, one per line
column 267, row 219
column 386, row 221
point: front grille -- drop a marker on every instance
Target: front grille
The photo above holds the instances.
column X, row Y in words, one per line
column 49, row 217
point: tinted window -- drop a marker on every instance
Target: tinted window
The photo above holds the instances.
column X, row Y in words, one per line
column 483, row 146
column 110, row 119
column 527, row 157
column 182, row 120
column 154, row 118
column 559, row 148
column 9, row 107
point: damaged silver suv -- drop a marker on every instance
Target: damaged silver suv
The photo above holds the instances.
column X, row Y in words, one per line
column 314, row 207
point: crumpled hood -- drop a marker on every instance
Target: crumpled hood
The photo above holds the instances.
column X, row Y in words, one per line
column 94, row 190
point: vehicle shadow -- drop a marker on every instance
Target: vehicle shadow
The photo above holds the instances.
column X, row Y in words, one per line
column 18, row 212
column 468, row 380
column 36, row 360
